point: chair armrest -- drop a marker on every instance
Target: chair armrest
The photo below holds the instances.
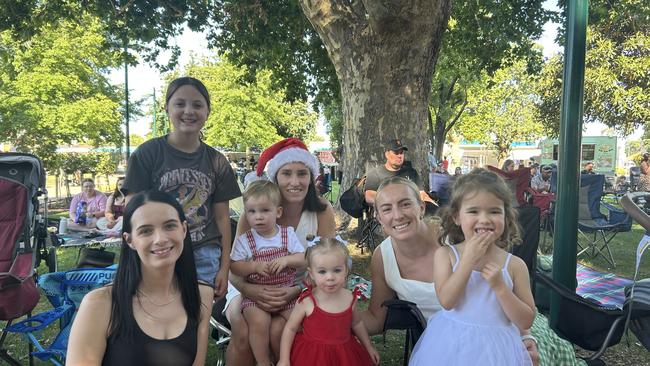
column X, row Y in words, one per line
column 40, row 321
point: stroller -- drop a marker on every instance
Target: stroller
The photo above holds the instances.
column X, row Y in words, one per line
column 23, row 237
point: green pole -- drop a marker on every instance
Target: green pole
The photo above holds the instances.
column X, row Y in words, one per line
column 126, row 98
column 154, row 132
column 566, row 218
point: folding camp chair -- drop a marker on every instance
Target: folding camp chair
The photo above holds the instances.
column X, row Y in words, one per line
column 220, row 330
column 595, row 327
column 596, row 229
column 440, row 187
column 368, row 234
column 64, row 290
column 405, row 315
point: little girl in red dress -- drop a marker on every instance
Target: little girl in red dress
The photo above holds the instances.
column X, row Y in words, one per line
column 326, row 314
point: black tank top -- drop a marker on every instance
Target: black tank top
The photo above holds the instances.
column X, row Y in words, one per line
column 145, row 350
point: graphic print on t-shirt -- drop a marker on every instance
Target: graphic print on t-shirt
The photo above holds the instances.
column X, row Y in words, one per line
column 192, row 189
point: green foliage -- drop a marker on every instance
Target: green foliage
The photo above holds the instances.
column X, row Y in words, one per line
column 481, row 38
column 244, row 113
column 53, row 89
column 617, row 69
column 503, row 113
column 135, row 140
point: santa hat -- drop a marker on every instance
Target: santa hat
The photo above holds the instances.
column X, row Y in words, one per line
column 289, row 150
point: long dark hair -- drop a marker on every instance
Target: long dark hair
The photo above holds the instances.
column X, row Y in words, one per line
column 313, row 201
column 117, row 192
column 129, row 274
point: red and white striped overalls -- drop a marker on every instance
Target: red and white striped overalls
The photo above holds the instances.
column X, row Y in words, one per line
column 284, row 279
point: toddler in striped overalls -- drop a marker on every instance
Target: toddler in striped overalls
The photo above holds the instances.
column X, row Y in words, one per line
column 267, row 254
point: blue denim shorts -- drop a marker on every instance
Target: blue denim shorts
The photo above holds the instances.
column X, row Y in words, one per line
column 208, row 261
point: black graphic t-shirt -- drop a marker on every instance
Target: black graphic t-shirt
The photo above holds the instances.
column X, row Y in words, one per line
column 197, row 180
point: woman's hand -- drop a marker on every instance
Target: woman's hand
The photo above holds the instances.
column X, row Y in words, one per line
column 272, row 299
column 283, row 362
column 531, row 347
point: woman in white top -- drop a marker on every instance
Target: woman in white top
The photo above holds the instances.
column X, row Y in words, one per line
column 402, row 265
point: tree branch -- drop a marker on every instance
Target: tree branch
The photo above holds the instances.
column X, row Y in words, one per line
column 453, row 122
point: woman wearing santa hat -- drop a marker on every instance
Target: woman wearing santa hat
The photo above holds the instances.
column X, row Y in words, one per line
column 293, row 168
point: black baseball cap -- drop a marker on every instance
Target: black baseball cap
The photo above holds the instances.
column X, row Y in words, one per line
column 395, row 145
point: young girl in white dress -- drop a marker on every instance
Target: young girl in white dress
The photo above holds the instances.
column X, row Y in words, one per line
column 485, row 291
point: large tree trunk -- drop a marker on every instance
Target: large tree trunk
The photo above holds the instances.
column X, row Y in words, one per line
column 384, row 52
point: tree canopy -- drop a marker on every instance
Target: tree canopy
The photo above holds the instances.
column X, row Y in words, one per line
column 245, row 113
column 54, row 90
column 617, row 69
column 503, row 113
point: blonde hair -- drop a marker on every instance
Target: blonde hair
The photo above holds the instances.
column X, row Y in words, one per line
column 480, row 180
column 263, row 188
column 328, row 246
column 401, row 181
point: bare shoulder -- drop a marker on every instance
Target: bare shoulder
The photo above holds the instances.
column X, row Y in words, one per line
column 98, row 297
column 517, row 265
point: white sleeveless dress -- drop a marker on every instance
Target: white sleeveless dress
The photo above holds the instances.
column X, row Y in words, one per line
column 423, row 294
column 475, row 332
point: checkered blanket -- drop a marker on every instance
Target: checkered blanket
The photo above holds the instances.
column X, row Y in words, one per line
column 603, row 288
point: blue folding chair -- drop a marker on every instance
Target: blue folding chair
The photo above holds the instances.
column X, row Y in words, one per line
column 597, row 229
column 64, row 290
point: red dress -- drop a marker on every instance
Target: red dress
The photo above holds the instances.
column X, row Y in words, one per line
column 327, row 340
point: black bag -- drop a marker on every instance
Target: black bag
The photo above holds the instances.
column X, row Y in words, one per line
column 95, row 258
column 352, row 200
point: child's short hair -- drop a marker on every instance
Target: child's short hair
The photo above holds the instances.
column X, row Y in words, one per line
column 263, row 188
column 328, row 245
column 480, row 180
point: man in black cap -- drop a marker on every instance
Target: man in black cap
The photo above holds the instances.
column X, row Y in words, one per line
column 394, row 166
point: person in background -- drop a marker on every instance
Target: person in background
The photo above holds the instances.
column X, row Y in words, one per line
column 458, row 172
column 115, row 203
column 394, row 152
column 508, row 166
column 589, row 168
column 542, row 182
column 155, row 312
column 86, row 207
column 534, row 169
column 644, row 178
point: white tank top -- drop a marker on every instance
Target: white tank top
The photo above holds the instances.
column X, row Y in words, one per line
column 423, row 294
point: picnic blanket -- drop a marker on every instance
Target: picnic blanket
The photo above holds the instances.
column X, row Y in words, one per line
column 606, row 289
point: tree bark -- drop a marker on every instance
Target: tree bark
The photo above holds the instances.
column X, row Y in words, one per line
column 384, row 52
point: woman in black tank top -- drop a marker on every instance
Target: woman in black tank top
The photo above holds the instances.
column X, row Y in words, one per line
column 155, row 312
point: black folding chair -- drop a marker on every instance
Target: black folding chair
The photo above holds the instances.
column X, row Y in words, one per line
column 405, row 315
column 220, row 330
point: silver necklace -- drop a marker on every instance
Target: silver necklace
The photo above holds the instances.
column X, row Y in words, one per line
column 140, row 292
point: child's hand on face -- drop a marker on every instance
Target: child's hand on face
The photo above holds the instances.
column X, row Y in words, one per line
column 477, row 246
column 374, row 355
column 492, row 274
column 277, row 265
